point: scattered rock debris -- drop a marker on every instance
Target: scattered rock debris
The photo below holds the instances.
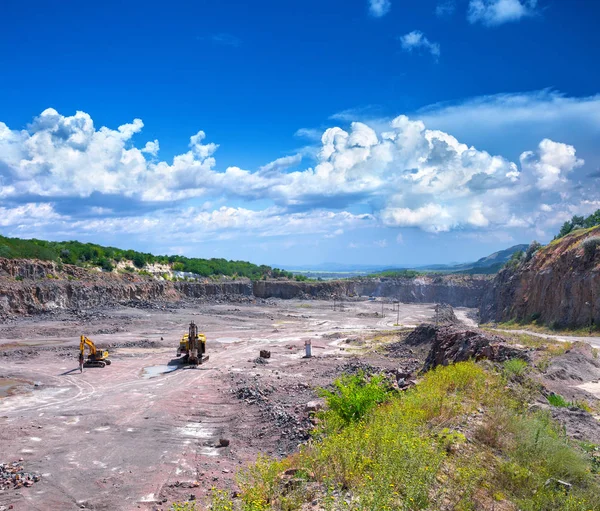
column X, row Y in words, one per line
column 13, row 475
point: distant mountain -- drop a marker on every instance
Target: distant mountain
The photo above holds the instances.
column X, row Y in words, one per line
column 488, row 264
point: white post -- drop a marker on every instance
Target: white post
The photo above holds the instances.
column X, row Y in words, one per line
column 307, row 347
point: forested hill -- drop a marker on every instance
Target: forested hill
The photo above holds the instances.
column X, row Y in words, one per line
column 107, row 258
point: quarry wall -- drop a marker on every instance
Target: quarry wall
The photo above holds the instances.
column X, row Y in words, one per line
column 30, row 286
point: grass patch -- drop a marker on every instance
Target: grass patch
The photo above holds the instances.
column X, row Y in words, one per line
column 183, row 506
column 408, row 451
column 514, row 368
column 560, row 402
column 534, row 326
column 551, row 346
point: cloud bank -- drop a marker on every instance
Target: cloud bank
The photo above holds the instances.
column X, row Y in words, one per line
column 64, row 172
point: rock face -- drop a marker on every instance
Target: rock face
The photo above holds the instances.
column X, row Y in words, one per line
column 559, row 286
column 451, row 344
column 456, row 290
column 30, row 286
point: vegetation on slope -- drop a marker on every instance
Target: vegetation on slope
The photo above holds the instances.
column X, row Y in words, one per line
column 89, row 254
column 579, row 222
column 461, row 439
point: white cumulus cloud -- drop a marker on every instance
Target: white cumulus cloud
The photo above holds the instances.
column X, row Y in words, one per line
column 403, row 173
column 416, row 40
column 379, row 8
column 497, row 12
column 551, row 163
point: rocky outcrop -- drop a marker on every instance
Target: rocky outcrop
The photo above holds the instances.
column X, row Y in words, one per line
column 559, row 286
column 451, row 345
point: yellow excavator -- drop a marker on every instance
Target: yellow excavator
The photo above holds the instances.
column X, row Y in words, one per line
column 193, row 346
column 96, row 358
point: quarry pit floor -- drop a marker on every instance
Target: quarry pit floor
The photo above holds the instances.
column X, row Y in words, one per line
column 144, row 432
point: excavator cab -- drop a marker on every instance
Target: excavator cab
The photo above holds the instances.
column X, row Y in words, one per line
column 193, row 346
column 96, row 357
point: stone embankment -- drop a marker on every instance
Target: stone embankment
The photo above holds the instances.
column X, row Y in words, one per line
column 30, row 286
column 559, row 286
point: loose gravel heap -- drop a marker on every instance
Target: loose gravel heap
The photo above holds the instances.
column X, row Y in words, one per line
column 13, row 475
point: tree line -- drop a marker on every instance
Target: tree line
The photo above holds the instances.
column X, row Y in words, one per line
column 579, row 222
column 90, row 254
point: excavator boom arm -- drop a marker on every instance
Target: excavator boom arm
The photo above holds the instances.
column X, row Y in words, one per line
column 87, row 342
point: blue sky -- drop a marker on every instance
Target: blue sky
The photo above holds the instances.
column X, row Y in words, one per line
column 396, row 132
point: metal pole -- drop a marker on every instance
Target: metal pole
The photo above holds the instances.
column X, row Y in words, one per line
column 398, row 315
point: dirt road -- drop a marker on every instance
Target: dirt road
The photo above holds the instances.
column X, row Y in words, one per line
column 141, row 433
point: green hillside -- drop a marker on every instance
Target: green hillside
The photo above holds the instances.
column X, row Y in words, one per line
column 90, row 254
column 485, row 266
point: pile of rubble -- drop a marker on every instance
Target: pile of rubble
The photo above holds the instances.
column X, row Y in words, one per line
column 453, row 345
column 13, row 475
column 251, row 395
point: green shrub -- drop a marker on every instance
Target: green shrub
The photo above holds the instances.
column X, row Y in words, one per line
column 560, row 402
column 105, row 264
column 533, row 247
column 590, row 245
column 515, row 259
column 557, row 400
column 354, row 396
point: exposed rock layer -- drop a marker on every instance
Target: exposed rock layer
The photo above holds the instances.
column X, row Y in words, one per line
column 559, row 286
column 29, row 286
column 456, row 290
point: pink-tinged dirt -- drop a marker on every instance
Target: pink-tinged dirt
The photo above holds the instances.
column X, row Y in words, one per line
column 144, row 432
